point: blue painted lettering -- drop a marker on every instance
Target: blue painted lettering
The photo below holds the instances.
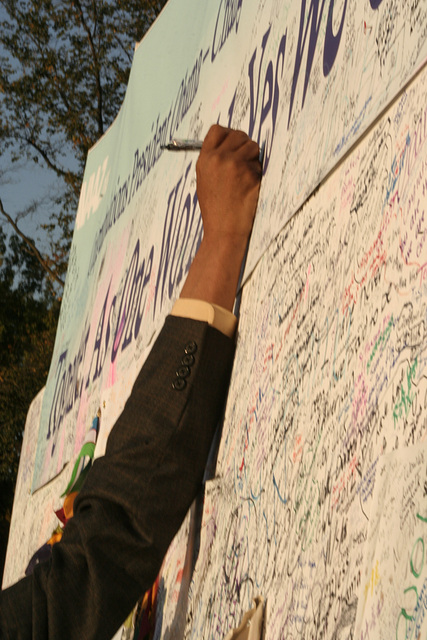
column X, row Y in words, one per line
column 176, row 253
column 98, row 350
column 313, row 21
column 228, row 17
column 332, row 42
column 56, row 414
column 143, row 278
column 270, row 96
column 68, row 387
column 131, row 298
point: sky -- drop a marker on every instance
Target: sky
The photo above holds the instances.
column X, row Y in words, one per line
column 20, row 184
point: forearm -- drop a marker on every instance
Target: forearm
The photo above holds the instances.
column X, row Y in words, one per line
column 228, row 181
column 214, row 274
column 134, row 499
column 136, row 496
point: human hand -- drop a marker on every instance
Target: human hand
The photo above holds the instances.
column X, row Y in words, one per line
column 228, row 181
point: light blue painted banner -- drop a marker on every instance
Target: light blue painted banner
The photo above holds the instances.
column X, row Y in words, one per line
column 306, row 78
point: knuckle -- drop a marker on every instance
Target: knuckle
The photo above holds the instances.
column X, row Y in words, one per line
column 215, row 132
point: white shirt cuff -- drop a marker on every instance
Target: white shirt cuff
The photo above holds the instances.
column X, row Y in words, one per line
column 216, row 316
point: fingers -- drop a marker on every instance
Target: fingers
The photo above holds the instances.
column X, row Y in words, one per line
column 215, row 136
column 228, row 179
column 233, row 147
column 231, row 140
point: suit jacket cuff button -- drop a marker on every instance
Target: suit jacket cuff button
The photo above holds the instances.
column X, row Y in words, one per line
column 191, row 347
column 179, row 384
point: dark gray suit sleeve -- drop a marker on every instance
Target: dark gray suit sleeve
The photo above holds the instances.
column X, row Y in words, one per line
column 135, row 497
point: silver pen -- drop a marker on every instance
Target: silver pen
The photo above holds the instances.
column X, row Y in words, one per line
column 183, row 145
column 177, row 144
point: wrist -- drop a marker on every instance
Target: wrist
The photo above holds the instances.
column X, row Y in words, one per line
column 231, row 249
column 214, row 274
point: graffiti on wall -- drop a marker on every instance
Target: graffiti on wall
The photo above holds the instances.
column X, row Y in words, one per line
column 304, row 79
column 319, row 497
column 318, row 502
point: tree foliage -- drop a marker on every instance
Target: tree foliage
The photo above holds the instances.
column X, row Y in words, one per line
column 64, row 67
column 28, row 316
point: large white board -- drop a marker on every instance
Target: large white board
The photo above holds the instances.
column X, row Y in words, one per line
column 318, row 500
column 305, row 78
